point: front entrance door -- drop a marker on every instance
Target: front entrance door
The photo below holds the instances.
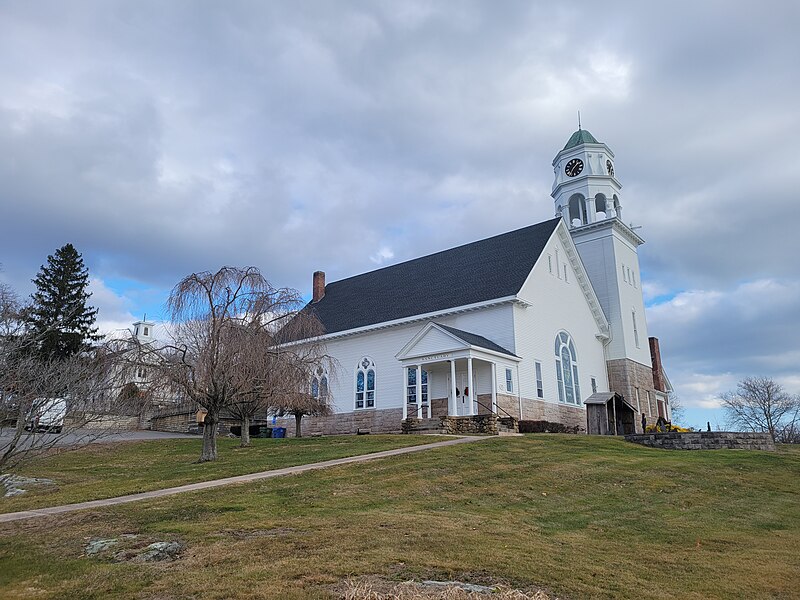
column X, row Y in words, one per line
column 465, row 395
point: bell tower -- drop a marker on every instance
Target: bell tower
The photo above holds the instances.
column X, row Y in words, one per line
column 143, row 330
column 586, row 193
column 585, row 188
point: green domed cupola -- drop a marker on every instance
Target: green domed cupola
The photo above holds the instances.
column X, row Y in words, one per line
column 580, row 137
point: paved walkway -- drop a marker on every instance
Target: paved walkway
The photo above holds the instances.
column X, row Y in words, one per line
column 204, row 485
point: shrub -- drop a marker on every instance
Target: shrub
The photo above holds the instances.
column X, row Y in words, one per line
column 667, row 428
column 546, row 427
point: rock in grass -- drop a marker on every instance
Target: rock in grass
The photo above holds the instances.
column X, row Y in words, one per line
column 158, row 551
column 100, row 545
column 16, row 484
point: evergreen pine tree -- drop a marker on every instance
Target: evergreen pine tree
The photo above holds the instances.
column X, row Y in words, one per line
column 60, row 322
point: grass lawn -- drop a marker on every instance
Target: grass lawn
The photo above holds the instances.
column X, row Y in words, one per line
column 584, row 517
column 107, row 470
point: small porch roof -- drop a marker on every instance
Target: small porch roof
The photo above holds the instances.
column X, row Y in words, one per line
column 605, row 397
column 473, row 339
column 445, row 342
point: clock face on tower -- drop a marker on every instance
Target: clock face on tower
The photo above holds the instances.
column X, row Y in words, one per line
column 574, row 167
column 610, row 168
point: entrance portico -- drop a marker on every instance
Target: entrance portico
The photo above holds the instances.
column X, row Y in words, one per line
column 449, row 372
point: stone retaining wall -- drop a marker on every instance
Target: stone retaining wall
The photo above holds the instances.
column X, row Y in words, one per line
column 385, row 420
column 178, row 422
column 115, row 422
column 473, row 424
column 704, row 440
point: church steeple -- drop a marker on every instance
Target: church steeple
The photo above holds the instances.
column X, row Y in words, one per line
column 585, row 189
column 143, row 330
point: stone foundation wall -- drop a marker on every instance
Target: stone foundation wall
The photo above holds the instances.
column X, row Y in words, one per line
column 506, row 405
column 624, row 376
column 375, row 421
column 438, row 409
column 539, row 410
column 704, row 440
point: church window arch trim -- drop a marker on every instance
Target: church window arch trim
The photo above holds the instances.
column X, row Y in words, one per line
column 567, row 376
column 320, row 386
column 366, row 384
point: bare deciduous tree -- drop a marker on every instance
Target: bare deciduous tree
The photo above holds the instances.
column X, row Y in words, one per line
column 224, row 343
column 676, row 409
column 761, row 404
column 301, row 403
column 63, row 391
column 258, row 378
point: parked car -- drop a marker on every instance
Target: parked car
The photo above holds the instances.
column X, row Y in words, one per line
column 47, row 414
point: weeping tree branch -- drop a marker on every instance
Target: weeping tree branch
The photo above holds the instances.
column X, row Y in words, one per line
column 225, row 350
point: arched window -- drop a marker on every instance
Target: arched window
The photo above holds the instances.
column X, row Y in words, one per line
column 569, row 389
column 577, row 210
column 600, row 207
column 365, row 383
column 319, row 384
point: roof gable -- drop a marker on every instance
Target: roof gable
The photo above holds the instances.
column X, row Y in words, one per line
column 481, row 271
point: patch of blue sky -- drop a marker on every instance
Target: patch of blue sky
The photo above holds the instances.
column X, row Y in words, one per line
column 699, row 418
column 661, row 298
column 141, row 299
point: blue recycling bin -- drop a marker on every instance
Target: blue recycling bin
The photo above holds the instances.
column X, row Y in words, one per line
column 279, row 432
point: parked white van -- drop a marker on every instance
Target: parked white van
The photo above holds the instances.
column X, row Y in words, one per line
column 47, row 414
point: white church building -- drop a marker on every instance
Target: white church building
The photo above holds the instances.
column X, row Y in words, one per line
column 532, row 324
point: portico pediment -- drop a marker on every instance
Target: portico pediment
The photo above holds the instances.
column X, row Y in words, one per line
column 431, row 340
column 441, row 342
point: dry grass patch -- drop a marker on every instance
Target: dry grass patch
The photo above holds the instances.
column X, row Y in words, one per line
column 377, row 588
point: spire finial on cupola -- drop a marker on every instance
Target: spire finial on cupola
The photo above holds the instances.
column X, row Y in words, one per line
column 579, row 120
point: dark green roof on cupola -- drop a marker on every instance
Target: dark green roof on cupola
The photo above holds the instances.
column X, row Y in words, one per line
column 580, row 137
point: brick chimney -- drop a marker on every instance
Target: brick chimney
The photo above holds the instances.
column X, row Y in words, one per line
column 319, row 286
column 658, row 369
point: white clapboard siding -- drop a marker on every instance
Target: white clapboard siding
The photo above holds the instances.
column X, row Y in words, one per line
column 556, row 304
column 494, row 323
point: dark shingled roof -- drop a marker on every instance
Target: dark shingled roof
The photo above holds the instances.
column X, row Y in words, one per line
column 473, row 339
column 485, row 270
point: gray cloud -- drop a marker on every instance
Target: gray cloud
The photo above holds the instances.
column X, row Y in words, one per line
column 166, row 138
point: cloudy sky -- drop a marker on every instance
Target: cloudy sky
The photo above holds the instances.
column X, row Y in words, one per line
column 163, row 138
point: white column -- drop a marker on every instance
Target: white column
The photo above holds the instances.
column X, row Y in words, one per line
column 471, row 387
column 419, row 392
column 591, row 210
column 451, row 404
column 494, row 388
column 429, row 395
column 404, row 397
